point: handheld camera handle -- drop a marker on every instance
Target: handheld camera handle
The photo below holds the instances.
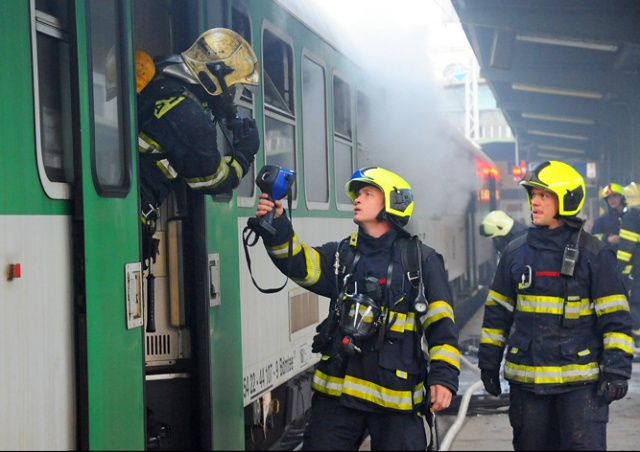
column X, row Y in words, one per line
column 269, row 215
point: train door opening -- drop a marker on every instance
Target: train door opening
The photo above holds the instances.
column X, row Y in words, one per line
column 176, row 330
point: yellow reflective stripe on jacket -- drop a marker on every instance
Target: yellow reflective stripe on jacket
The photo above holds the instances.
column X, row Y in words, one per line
column 494, row 298
column 623, row 256
column 551, row 374
column 571, row 309
column 327, row 384
column 438, row 310
column 493, row 336
column 282, row 251
column 629, row 235
column 147, row 145
column 618, row 341
column 446, row 353
column 164, row 105
column 365, row 390
column 540, row 304
column 167, row 169
column 612, row 303
column 371, row 392
column 399, row 321
column 235, row 166
column 312, row 264
column 212, row 180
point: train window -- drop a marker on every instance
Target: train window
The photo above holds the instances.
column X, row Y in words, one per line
column 342, row 141
column 277, row 63
column 277, row 86
column 314, row 132
column 341, row 108
column 110, row 159
column 52, row 96
column 241, row 24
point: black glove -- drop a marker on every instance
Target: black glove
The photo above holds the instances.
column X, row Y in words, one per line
column 246, row 142
column 613, row 386
column 324, row 337
column 491, row 380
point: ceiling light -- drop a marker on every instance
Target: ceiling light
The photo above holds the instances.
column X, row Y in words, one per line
column 558, row 91
column 573, row 120
column 560, row 148
column 557, row 135
column 568, row 42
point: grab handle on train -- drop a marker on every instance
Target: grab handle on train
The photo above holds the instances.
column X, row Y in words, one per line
column 151, row 290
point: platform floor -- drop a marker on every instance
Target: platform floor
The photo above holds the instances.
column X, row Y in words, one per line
column 488, row 428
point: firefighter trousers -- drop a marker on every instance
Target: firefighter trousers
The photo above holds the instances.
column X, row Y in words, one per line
column 575, row 420
column 336, row 427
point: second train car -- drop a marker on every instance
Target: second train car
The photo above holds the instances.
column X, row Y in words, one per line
column 227, row 367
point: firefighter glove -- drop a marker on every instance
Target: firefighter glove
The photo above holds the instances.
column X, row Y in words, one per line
column 491, row 381
column 246, row 142
column 323, row 338
column 613, row 386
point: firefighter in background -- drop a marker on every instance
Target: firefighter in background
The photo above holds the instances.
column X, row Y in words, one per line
column 558, row 305
column 629, row 254
column 501, row 229
column 607, row 226
column 179, row 111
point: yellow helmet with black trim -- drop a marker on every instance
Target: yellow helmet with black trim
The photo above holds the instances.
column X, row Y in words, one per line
column 398, row 196
column 611, row 189
column 496, row 224
column 560, row 179
column 221, row 58
column 632, row 195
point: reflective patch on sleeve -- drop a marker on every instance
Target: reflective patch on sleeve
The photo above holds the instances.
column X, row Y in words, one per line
column 164, row 105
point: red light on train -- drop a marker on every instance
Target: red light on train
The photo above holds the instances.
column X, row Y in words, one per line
column 518, row 173
column 490, row 171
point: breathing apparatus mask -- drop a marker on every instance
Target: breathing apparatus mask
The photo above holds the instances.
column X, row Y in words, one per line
column 361, row 315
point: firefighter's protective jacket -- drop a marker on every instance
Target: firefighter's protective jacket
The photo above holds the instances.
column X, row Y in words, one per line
column 560, row 332
column 177, row 137
column 389, row 373
column 607, row 224
column 629, row 246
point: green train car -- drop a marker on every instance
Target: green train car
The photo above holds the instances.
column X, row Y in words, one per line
column 228, row 366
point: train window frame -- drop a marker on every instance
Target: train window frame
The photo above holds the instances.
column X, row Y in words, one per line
column 364, row 123
column 241, row 24
column 279, row 115
column 342, row 140
column 49, row 123
column 312, row 171
column 99, row 91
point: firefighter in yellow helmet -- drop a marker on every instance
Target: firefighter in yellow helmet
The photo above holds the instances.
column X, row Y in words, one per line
column 501, row 229
column 557, row 305
column 607, row 226
column 373, row 375
column 629, row 253
column 177, row 137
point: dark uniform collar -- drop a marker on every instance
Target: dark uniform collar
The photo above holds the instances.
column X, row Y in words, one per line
column 368, row 244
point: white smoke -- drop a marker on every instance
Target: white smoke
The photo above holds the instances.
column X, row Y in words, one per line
column 391, row 42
